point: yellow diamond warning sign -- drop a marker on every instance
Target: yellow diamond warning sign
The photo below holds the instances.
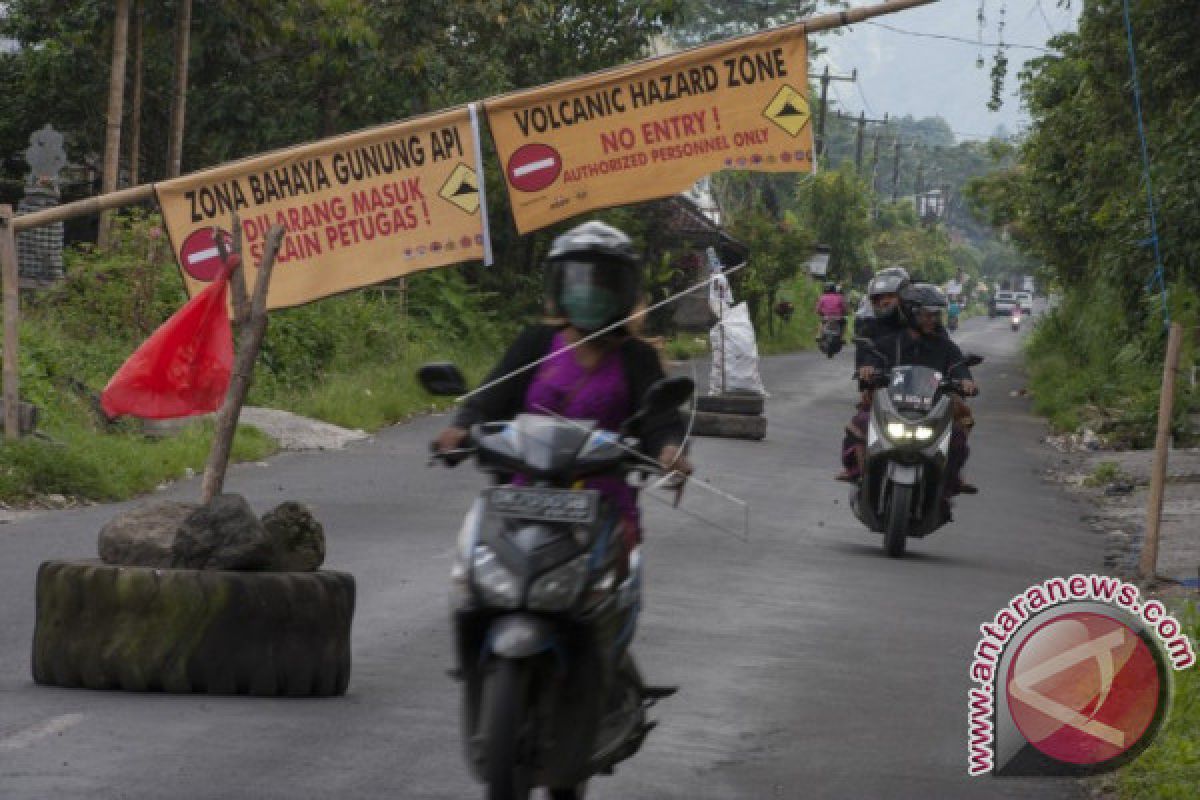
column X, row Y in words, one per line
column 789, row 110
column 462, row 189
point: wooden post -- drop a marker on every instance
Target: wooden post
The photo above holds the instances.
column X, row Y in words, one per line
column 11, row 276
column 1148, row 564
column 243, row 369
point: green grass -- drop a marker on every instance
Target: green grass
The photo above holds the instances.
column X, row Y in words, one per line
column 1106, row 472
column 1170, row 767
column 83, row 463
column 373, row 396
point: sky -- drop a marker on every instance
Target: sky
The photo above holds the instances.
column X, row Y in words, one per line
column 905, row 74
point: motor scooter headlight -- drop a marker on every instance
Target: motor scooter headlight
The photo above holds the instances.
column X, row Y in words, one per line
column 898, row 431
column 923, row 433
column 495, row 582
column 558, row 589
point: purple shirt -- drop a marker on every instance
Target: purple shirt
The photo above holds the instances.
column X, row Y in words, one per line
column 562, row 385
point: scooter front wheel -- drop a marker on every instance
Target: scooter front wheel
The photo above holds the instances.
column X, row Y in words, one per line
column 899, row 510
column 509, row 770
column 574, row 793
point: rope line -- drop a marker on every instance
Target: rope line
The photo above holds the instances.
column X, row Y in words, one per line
column 1159, row 278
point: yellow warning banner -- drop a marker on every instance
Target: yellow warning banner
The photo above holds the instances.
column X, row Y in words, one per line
column 358, row 209
column 652, row 128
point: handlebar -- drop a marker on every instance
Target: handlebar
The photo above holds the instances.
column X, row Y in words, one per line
column 449, row 458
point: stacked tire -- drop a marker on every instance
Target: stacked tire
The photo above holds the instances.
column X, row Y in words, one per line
column 734, row 415
column 101, row 626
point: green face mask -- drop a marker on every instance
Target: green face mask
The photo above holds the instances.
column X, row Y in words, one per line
column 589, row 308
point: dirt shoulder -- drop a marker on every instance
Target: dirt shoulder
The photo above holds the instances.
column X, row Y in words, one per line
column 1117, row 483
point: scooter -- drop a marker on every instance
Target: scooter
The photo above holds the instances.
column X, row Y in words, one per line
column 1016, row 319
column 903, row 489
column 543, row 619
column 830, row 342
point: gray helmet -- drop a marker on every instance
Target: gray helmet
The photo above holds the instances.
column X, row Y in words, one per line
column 593, row 276
column 592, row 239
column 888, row 281
column 918, row 297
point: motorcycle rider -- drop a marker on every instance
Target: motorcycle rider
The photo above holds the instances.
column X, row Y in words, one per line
column 880, row 318
column 593, row 281
column 923, row 342
column 832, row 305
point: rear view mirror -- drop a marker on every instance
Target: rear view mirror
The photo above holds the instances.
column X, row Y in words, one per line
column 443, row 379
column 974, row 360
column 667, row 394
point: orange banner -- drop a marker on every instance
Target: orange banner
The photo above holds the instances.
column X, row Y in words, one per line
column 653, row 128
column 358, row 209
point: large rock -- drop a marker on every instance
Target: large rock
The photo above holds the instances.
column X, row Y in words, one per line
column 144, row 536
column 225, row 534
column 297, row 538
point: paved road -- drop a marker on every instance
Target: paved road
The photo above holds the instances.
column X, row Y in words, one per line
column 810, row 665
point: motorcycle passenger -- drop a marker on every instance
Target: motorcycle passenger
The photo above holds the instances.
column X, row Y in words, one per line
column 832, row 305
column 593, row 281
column 923, row 342
column 881, row 318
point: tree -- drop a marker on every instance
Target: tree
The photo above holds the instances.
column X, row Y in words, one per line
column 183, row 32
column 116, row 101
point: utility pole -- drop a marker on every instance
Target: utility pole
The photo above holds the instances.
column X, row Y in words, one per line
column 895, row 169
column 858, row 148
column 825, row 79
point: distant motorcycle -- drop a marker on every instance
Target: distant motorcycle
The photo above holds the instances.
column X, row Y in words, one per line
column 1016, row 318
column 903, row 485
column 830, row 342
column 543, row 621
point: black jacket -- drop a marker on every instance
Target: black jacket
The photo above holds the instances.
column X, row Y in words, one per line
column 938, row 352
column 507, row 399
column 876, row 330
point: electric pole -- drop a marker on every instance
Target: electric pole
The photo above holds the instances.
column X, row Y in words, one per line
column 895, row 169
column 858, row 148
column 825, row 79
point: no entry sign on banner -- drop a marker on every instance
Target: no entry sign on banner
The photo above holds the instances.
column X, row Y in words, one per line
column 358, row 209
column 652, row 128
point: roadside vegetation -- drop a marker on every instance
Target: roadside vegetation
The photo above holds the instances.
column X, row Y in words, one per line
column 1170, row 768
column 1075, row 202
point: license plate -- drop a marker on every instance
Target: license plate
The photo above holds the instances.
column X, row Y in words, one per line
column 547, row 505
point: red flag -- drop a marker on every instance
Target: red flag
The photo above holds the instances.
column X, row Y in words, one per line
column 185, row 365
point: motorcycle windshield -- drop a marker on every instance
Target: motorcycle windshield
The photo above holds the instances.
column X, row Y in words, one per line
column 914, row 388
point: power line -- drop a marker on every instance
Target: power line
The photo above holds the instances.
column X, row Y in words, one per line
column 958, row 39
column 1045, row 18
column 866, row 105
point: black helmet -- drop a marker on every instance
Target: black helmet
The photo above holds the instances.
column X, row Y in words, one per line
column 918, row 297
column 831, row 287
column 593, row 276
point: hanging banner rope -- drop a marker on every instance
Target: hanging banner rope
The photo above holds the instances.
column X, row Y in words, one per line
column 358, row 209
column 653, row 128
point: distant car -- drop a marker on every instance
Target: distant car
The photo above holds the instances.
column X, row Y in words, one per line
column 1025, row 299
column 1004, row 302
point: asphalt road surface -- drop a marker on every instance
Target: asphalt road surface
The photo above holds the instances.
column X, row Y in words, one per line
column 810, row 665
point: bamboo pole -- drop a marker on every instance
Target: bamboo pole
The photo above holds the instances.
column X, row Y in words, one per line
column 243, row 369
column 10, row 276
column 90, row 205
column 1148, row 564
